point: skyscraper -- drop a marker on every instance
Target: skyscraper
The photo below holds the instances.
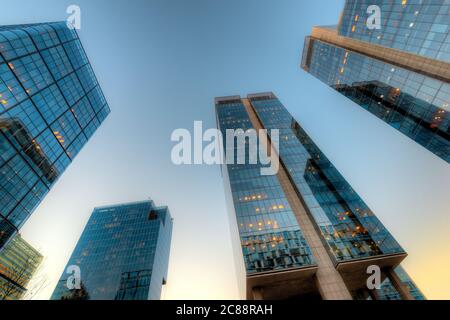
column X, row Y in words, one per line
column 123, row 254
column 399, row 72
column 304, row 232
column 50, row 106
column 18, row 263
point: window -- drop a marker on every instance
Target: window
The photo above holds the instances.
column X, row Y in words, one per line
column 153, row 215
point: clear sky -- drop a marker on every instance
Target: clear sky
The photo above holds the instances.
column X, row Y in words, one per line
column 160, row 64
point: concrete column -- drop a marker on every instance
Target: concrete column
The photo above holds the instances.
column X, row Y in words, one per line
column 398, row 285
column 374, row 294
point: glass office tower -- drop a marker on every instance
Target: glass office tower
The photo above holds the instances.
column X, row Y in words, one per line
column 18, row 263
column 400, row 73
column 303, row 233
column 50, row 106
column 123, row 254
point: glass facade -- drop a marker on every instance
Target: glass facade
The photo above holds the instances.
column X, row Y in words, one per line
column 396, row 72
column 271, row 238
column 270, row 230
column 388, row 292
column 347, row 225
column 416, row 26
column 414, row 104
column 18, row 263
column 123, row 254
column 50, row 106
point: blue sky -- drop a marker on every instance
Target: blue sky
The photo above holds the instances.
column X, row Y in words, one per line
column 160, row 64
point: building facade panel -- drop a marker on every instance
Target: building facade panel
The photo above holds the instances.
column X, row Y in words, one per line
column 270, row 237
column 415, row 26
column 347, row 224
column 388, row 292
column 416, row 105
column 50, row 105
column 399, row 73
column 19, row 261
